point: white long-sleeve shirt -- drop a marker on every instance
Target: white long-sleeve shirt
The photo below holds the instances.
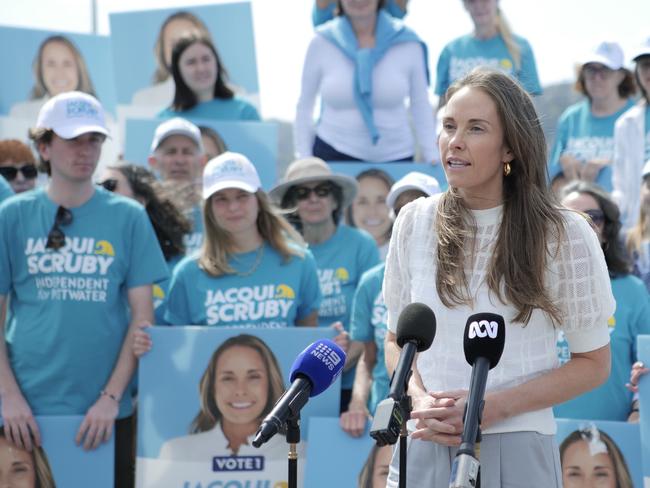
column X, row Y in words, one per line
column 398, row 76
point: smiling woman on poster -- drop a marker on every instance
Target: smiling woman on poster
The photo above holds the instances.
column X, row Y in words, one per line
column 20, row 468
column 237, row 390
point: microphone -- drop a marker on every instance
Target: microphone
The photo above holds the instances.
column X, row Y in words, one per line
column 312, row 372
column 416, row 328
column 483, row 342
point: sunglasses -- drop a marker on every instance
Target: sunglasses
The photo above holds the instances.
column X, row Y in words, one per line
column 56, row 237
column 596, row 215
column 29, row 172
column 591, row 71
column 323, row 190
column 109, row 184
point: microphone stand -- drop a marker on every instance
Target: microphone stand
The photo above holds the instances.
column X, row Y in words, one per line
column 406, row 407
column 293, row 438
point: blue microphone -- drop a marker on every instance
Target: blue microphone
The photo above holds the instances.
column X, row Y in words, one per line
column 313, row 371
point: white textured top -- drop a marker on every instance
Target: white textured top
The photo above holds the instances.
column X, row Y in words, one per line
column 576, row 278
column 399, row 75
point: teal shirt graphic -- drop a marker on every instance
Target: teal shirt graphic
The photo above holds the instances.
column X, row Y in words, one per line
column 368, row 323
column 68, row 308
column 612, row 401
column 465, row 53
column 341, row 260
column 5, row 189
column 586, row 137
column 276, row 295
column 234, row 108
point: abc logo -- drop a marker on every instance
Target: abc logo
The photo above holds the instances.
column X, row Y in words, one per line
column 483, row 328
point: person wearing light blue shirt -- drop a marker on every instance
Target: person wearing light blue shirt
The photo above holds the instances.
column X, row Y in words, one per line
column 78, row 264
column 491, row 45
column 5, row 189
column 584, row 141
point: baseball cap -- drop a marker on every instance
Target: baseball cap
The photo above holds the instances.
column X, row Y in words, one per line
column 607, row 53
column 642, row 50
column 412, row 181
column 176, row 126
column 72, row 114
column 646, row 169
column 230, row 170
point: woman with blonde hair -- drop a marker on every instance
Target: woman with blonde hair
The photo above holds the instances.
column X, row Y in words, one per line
column 21, row 468
column 497, row 242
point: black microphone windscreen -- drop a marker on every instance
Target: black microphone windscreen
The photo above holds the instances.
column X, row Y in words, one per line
column 417, row 322
column 485, row 336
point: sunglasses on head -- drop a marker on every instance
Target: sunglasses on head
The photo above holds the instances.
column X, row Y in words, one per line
column 322, row 190
column 56, row 237
column 109, row 184
column 596, row 215
column 29, row 172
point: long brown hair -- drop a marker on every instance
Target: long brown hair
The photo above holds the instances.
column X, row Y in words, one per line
column 531, row 216
column 641, row 231
column 272, row 226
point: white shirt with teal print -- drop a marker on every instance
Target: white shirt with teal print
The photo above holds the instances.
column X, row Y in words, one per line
column 276, row 294
column 586, row 137
column 465, row 53
column 68, row 308
column 341, row 260
column 368, row 323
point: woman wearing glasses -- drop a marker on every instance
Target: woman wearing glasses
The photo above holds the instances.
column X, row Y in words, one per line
column 584, row 145
column 17, row 165
column 317, row 197
column 611, row 400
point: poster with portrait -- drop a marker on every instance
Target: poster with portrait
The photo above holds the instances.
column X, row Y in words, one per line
column 142, row 43
column 643, row 354
column 58, row 461
column 593, row 452
column 202, row 392
column 356, row 458
column 256, row 140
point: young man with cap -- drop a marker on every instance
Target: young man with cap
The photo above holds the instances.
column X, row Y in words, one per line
column 78, row 263
column 632, row 142
column 177, row 154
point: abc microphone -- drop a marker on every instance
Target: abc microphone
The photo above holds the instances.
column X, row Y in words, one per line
column 485, row 335
column 313, row 371
column 416, row 328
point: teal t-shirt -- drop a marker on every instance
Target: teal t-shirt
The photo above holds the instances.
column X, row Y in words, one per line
column 5, row 189
column 161, row 289
column 368, row 323
column 194, row 239
column 234, row 108
column 68, row 308
column 276, row 294
column 612, row 401
column 586, row 137
column 341, row 260
column 465, row 53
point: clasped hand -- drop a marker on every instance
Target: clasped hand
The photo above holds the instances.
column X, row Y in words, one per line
column 439, row 416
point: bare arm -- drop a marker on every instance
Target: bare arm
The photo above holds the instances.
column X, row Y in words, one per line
column 97, row 425
column 353, row 421
column 310, row 320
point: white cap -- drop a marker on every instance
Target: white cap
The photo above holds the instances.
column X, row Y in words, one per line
column 230, row 170
column 642, row 50
column 72, row 114
column 176, row 127
column 606, row 53
column 412, row 181
column 646, row 169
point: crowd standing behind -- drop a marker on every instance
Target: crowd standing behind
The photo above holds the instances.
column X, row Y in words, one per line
column 177, row 237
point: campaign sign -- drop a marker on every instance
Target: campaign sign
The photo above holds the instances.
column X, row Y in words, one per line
column 142, row 43
column 258, row 141
column 609, row 452
column 202, row 393
column 643, row 354
column 395, row 170
column 59, row 461
column 45, row 63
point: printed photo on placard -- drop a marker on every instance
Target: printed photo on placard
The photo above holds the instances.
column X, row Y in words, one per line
column 256, row 140
column 643, row 354
column 358, row 461
column 58, row 461
column 599, row 453
column 143, row 41
column 203, row 392
column 45, row 63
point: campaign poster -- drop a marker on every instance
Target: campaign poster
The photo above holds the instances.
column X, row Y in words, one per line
column 59, row 461
column 395, row 170
column 143, row 40
column 355, row 458
column 643, row 354
column 202, row 393
column 593, row 452
column 258, row 141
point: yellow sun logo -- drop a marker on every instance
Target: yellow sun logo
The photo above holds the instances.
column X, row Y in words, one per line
column 342, row 274
column 158, row 292
column 506, row 64
column 105, row 248
column 284, row 291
